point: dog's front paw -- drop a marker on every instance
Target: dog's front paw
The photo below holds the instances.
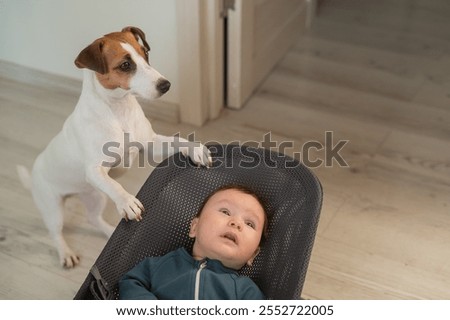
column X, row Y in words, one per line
column 130, row 208
column 198, row 153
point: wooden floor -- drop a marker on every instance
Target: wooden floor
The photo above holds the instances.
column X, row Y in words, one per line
column 375, row 73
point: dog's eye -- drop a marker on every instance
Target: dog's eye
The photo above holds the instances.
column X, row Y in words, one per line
column 126, row 66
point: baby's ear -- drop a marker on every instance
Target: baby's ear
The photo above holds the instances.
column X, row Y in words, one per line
column 193, row 229
column 250, row 261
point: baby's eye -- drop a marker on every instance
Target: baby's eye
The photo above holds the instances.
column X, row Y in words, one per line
column 251, row 224
column 225, row 211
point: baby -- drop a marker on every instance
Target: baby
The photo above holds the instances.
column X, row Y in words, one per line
column 228, row 231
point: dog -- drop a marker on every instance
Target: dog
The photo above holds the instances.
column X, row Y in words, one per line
column 116, row 70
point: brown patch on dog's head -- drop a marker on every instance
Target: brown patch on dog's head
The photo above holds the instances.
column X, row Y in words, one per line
column 112, row 63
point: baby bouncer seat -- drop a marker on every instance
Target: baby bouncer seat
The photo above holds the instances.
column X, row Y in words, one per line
column 172, row 196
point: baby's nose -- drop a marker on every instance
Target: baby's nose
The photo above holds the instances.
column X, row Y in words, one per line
column 235, row 224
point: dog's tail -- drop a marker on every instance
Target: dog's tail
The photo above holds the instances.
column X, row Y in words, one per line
column 24, row 176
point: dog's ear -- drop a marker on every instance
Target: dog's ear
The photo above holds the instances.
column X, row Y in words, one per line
column 92, row 58
column 138, row 34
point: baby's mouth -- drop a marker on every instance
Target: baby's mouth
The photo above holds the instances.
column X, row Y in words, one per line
column 230, row 236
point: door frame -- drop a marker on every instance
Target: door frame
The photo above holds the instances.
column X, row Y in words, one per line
column 201, row 60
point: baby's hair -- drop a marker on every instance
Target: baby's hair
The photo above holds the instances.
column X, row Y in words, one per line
column 242, row 189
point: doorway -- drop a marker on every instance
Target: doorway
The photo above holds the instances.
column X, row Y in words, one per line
column 227, row 48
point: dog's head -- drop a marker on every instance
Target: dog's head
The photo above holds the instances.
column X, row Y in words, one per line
column 120, row 60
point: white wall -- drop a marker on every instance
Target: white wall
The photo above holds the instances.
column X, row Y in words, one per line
column 48, row 34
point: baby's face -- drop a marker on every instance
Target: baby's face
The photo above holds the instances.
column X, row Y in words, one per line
column 229, row 229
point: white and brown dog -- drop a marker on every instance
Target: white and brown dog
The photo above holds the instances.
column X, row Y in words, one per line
column 116, row 70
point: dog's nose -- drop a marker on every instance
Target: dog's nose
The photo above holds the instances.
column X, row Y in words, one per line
column 163, row 86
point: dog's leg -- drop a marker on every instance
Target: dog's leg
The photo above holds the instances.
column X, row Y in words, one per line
column 51, row 208
column 127, row 205
column 166, row 146
column 95, row 203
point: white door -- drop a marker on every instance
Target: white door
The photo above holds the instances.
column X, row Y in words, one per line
column 259, row 33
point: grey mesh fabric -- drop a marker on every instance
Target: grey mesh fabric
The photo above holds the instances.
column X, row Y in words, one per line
column 173, row 194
